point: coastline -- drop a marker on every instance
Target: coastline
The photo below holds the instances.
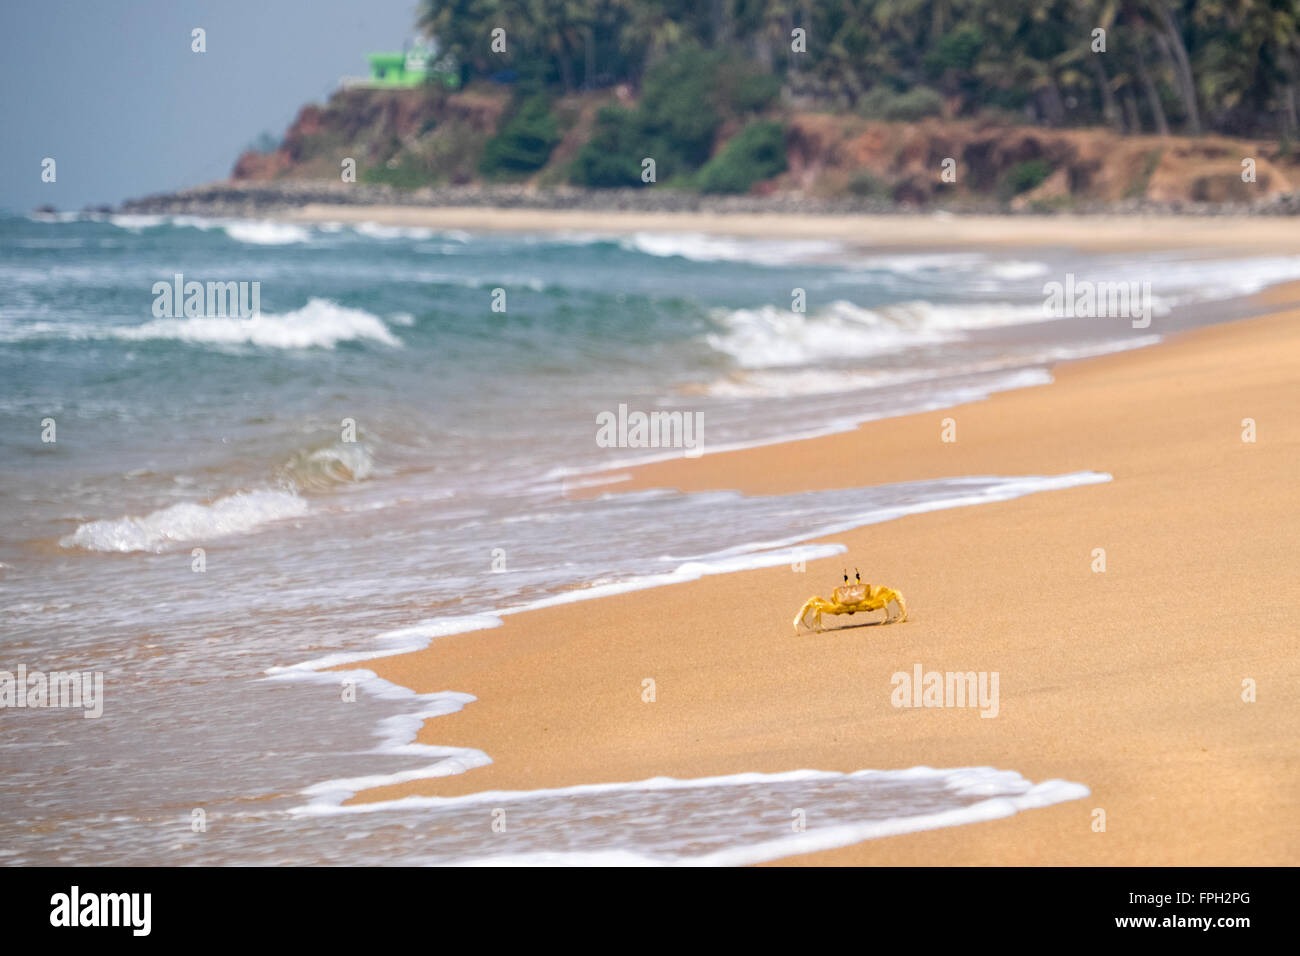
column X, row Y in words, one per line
column 1266, row 225
column 1128, row 681
column 938, row 231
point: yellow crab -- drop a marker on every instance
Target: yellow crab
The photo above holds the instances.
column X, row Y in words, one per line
column 850, row 599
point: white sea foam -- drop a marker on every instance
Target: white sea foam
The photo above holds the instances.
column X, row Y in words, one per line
column 328, row 797
column 751, row 842
column 318, row 324
column 910, row 263
column 136, row 222
column 265, row 232
column 397, row 734
column 374, row 230
column 788, row 383
column 185, row 522
column 1012, row 269
column 781, row 383
column 57, row 216
column 731, row 820
column 404, row 640
column 770, row 337
column 700, row 247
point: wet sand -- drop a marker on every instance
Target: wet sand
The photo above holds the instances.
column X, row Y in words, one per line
column 1128, row 680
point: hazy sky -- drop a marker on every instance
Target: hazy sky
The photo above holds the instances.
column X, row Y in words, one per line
column 112, row 92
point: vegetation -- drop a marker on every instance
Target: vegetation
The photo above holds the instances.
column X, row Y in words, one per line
column 612, row 157
column 1231, row 66
column 867, row 185
column 524, row 141
column 756, row 153
column 881, row 102
column 686, row 99
column 1023, row 177
column 715, row 92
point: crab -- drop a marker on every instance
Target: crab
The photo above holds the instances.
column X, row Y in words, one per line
column 850, row 599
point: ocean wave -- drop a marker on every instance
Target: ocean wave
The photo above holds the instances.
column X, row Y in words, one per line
column 700, row 247
column 135, row 222
column 341, row 463
column 374, row 230
column 1017, row 269
column 318, row 324
column 770, row 337
column 704, row 821
column 187, row 522
column 779, row 383
column 789, row 383
column 56, row 216
column 264, row 232
column 258, row 232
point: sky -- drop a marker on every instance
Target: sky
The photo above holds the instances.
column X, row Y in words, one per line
column 111, row 90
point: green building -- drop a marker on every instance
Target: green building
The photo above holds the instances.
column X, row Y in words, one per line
column 412, row 68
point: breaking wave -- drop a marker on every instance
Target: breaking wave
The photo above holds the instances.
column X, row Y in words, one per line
column 770, row 337
column 318, row 324
column 699, row 247
column 187, row 522
column 266, row 233
column 320, row 468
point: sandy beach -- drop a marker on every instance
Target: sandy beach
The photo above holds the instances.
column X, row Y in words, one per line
column 1128, row 680
column 1113, row 233
column 440, row 436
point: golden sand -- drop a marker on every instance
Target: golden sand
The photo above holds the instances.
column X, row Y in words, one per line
column 1129, row 681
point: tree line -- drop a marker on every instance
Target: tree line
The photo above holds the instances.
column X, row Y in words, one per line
column 1152, row 66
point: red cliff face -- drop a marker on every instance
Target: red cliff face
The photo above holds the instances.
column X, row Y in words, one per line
column 435, row 137
column 377, row 127
column 830, row 154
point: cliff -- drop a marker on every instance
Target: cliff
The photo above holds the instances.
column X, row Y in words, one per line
column 415, row 139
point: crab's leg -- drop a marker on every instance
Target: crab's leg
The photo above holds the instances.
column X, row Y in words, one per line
column 816, row 605
column 803, row 611
column 890, row 596
column 902, row 605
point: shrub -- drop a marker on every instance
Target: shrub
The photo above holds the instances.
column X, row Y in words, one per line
column 1023, row 177
column 881, row 102
column 407, row 172
column 685, row 100
column 612, row 157
column 958, row 50
column 744, row 87
column 679, row 110
column 756, row 153
column 524, row 141
column 867, row 185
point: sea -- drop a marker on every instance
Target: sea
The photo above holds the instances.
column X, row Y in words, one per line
column 206, row 509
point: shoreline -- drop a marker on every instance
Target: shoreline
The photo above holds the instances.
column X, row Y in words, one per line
column 1127, row 225
column 1104, row 661
column 937, row 231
